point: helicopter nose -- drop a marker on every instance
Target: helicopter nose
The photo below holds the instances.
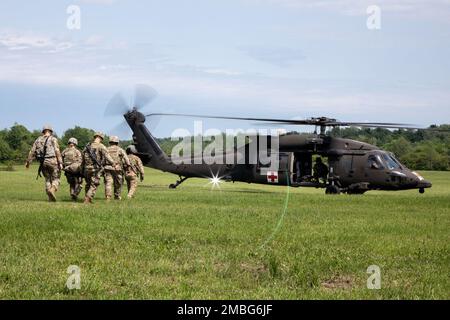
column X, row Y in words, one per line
column 421, row 182
column 424, row 184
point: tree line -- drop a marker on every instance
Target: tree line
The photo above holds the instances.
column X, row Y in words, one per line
column 16, row 142
column 427, row 149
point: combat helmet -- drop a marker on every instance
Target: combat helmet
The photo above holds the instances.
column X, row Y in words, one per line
column 73, row 141
column 47, row 127
column 131, row 149
column 100, row 135
column 114, row 139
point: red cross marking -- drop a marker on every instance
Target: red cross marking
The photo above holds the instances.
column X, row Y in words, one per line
column 272, row 177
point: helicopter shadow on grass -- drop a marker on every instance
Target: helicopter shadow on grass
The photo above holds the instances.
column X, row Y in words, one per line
column 254, row 191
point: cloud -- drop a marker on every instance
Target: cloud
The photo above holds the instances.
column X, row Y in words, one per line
column 94, row 40
column 15, row 41
column 101, row 2
column 24, row 58
column 223, row 72
column 113, row 67
column 277, row 56
column 12, row 41
column 429, row 8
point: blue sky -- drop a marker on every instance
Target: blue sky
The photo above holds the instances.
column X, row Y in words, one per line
column 268, row 58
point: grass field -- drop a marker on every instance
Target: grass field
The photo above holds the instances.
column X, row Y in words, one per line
column 198, row 243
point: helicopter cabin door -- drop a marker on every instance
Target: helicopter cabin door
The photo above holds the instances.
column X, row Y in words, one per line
column 345, row 168
column 301, row 167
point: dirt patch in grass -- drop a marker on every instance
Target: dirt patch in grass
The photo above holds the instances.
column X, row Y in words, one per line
column 338, row 283
column 254, row 268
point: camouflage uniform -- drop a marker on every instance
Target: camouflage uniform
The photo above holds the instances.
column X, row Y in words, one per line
column 320, row 171
column 51, row 162
column 72, row 160
column 136, row 170
column 114, row 174
column 92, row 171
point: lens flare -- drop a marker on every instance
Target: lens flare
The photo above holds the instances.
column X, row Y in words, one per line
column 215, row 181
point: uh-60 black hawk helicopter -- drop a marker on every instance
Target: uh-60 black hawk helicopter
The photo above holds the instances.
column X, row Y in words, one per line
column 354, row 167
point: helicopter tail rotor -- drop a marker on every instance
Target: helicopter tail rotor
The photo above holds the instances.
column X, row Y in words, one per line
column 117, row 106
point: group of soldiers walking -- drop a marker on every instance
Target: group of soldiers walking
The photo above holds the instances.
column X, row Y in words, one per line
column 91, row 164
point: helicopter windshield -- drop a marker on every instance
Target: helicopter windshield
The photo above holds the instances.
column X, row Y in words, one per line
column 391, row 162
column 374, row 162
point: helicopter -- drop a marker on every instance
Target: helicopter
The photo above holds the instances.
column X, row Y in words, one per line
column 354, row 167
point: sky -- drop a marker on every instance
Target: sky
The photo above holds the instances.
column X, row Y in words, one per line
column 287, row 59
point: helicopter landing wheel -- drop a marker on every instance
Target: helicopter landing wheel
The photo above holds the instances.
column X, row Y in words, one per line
column 421, row 190
column 175, row 185
column 333, row 189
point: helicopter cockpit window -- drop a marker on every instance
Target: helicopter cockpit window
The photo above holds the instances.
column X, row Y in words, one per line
column 396, row 161
column 374, row 162
column 390, row 161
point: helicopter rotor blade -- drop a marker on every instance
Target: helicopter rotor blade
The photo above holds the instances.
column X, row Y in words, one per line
column 122, row 130
column 226, row 118
column 314, row 121
column 356, row 125
column 154, row 123
column 144, row 94
column 117, row 106
column 372, row 124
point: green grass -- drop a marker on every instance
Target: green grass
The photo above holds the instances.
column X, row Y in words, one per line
column 194, row 243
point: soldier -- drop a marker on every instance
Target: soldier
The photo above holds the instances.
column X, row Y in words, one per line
column 46, row 150
column 134, row 171
column 95, row 157
column 72, row 160
column 320, row 170
column 114, row 174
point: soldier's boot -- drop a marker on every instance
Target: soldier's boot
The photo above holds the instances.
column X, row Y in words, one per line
column 108, row 194
column 74, row 198
column 131, row 189
column 87, row 200
column 51, row 194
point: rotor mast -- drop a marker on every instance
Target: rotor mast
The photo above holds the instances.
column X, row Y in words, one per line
column 323, row 123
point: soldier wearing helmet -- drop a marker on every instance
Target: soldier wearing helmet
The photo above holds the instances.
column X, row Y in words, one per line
column 135, row 171
column 72, row 160
column 114, row 174
column 95, row 157
column 46, row 150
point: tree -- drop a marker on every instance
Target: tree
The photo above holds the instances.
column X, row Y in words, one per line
column 400, row 147
column 6, row 153
column 425, row 156
column 19, row 139
column 368, row 139
column 83, row 135
column 17, row 135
